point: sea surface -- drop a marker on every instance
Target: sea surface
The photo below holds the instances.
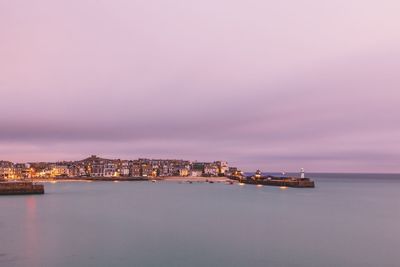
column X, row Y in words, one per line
column 347, row 220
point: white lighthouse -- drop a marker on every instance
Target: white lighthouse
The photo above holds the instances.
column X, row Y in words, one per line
column 302, row 175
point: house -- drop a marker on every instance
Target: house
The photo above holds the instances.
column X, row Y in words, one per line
column 183, row 171
column 94, row 166
column 146, row 170
column 76, row 170
column 22, row 171
column 124, row 169
column 231, row 171
column 197, row 169
column 196, row 173
column 110, row 169
column 135, row 169
column 211, row 170
column 6, row 170
column 60, row 170
column 222, row 167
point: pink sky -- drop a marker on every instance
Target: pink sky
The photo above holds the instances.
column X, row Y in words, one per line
column 275, row 85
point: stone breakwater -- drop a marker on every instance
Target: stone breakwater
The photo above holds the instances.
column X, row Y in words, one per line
column 289, row 182
column 20, row 188
column 277, row 181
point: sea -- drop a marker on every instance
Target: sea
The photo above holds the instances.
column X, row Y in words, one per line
column 347, row 220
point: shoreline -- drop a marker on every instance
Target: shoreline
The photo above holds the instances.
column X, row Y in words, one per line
column 196, row 179
column 136, row 179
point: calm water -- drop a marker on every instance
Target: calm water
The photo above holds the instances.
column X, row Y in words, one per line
column 348, row 220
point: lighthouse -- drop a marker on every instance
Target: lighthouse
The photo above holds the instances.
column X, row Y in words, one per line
column 257, row 175
column 302, row 175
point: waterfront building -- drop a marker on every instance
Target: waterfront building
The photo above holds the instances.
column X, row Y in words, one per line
column 124, row 169
column 211, row 169
column 110, row 169
column 184, row 172
column 155, row 170
column 135, row 169
column 165, row 170
column 222, row 167
column 169, row 169
column 76, row 170
column 44, row 173
column 39, row 169
column 196, row 173
column 95, row 166
column 6, row 170
column 231, row 171
column 154, row 173
column 146, row 170
column 197, row 169
column 22, row 171
column 96, row 169
column 174, row 168
column 60, row 171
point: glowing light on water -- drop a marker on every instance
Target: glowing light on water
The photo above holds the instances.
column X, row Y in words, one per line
column 259, row 185
column 241, row 184
column 283, row 187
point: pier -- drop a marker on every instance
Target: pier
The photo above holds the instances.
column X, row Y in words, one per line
column 282, row 181
column 20, row 188
column 259, row 179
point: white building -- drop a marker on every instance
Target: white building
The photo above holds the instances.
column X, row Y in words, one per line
column 196, row 173
column 60, row 170
column 211, row 170
column 125, row 169
column 110, row 169
column 223, row 166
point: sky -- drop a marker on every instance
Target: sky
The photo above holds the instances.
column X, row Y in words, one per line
column 270, row 85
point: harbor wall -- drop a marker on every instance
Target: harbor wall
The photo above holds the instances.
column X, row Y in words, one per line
column 20, row 188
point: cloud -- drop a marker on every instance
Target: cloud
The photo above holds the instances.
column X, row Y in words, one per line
column 260, row 84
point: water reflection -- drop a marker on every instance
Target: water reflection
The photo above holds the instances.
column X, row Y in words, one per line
column 31, row 229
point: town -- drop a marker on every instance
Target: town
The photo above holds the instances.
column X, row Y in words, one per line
column 97, row 167
column 20, row 178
